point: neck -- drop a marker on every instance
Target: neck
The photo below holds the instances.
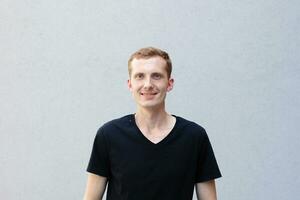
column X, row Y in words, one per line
column 152, row 118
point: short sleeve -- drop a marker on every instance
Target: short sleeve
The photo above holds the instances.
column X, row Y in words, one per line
column 99, row 160
column 208, row 168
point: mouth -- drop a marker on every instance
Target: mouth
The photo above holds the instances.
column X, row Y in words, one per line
column 148, row 93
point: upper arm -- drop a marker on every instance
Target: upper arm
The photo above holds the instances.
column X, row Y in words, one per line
column 95, row 187
column 206, row 190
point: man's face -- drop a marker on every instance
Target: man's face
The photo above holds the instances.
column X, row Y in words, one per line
column 149, row 82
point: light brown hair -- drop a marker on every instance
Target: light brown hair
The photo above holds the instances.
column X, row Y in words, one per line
column 149, row 52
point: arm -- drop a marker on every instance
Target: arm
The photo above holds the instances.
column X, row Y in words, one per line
column 206, row 190
column 95, row 187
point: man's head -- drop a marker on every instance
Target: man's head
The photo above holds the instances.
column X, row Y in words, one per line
column 149, row 52
column 149, row 77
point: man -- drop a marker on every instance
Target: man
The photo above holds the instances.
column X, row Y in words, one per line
column 151, row 155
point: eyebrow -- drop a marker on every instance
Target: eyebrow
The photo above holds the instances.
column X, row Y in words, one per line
column 137, row 73
column 157, row 73
column 152, row 74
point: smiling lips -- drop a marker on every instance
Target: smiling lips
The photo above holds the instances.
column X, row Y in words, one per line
column 148, row 93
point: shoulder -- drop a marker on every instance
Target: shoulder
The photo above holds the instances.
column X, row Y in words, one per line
column 191, row 127
column 118, row 121
column 116, row 124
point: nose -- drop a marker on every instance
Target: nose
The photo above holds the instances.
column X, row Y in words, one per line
column 148, row 84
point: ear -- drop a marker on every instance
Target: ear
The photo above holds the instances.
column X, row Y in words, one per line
column 129, row 85
column 170, row 84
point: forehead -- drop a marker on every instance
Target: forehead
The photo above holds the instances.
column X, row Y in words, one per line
column 149, row 64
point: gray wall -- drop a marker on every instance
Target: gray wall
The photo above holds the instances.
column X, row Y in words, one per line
column 64, row 70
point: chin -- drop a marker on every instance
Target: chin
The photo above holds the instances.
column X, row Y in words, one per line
column 150, row 104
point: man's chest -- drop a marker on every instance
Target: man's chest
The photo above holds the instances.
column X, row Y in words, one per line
column 138, row 163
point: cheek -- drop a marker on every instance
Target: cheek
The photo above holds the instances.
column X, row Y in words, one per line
column 164, row 87
column 135, row 87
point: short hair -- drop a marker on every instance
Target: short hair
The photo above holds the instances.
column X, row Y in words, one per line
column 149, row 52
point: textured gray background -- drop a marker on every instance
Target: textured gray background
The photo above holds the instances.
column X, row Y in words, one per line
column 64, row 69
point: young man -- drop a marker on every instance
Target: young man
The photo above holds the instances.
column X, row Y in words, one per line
column 151, row 155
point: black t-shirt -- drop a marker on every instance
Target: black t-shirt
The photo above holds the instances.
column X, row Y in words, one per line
column 138, row 169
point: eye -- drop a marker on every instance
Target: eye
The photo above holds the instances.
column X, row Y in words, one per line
column 139, row 76
column 157, row 76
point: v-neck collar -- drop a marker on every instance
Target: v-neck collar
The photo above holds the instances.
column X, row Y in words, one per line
column 146, row 140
